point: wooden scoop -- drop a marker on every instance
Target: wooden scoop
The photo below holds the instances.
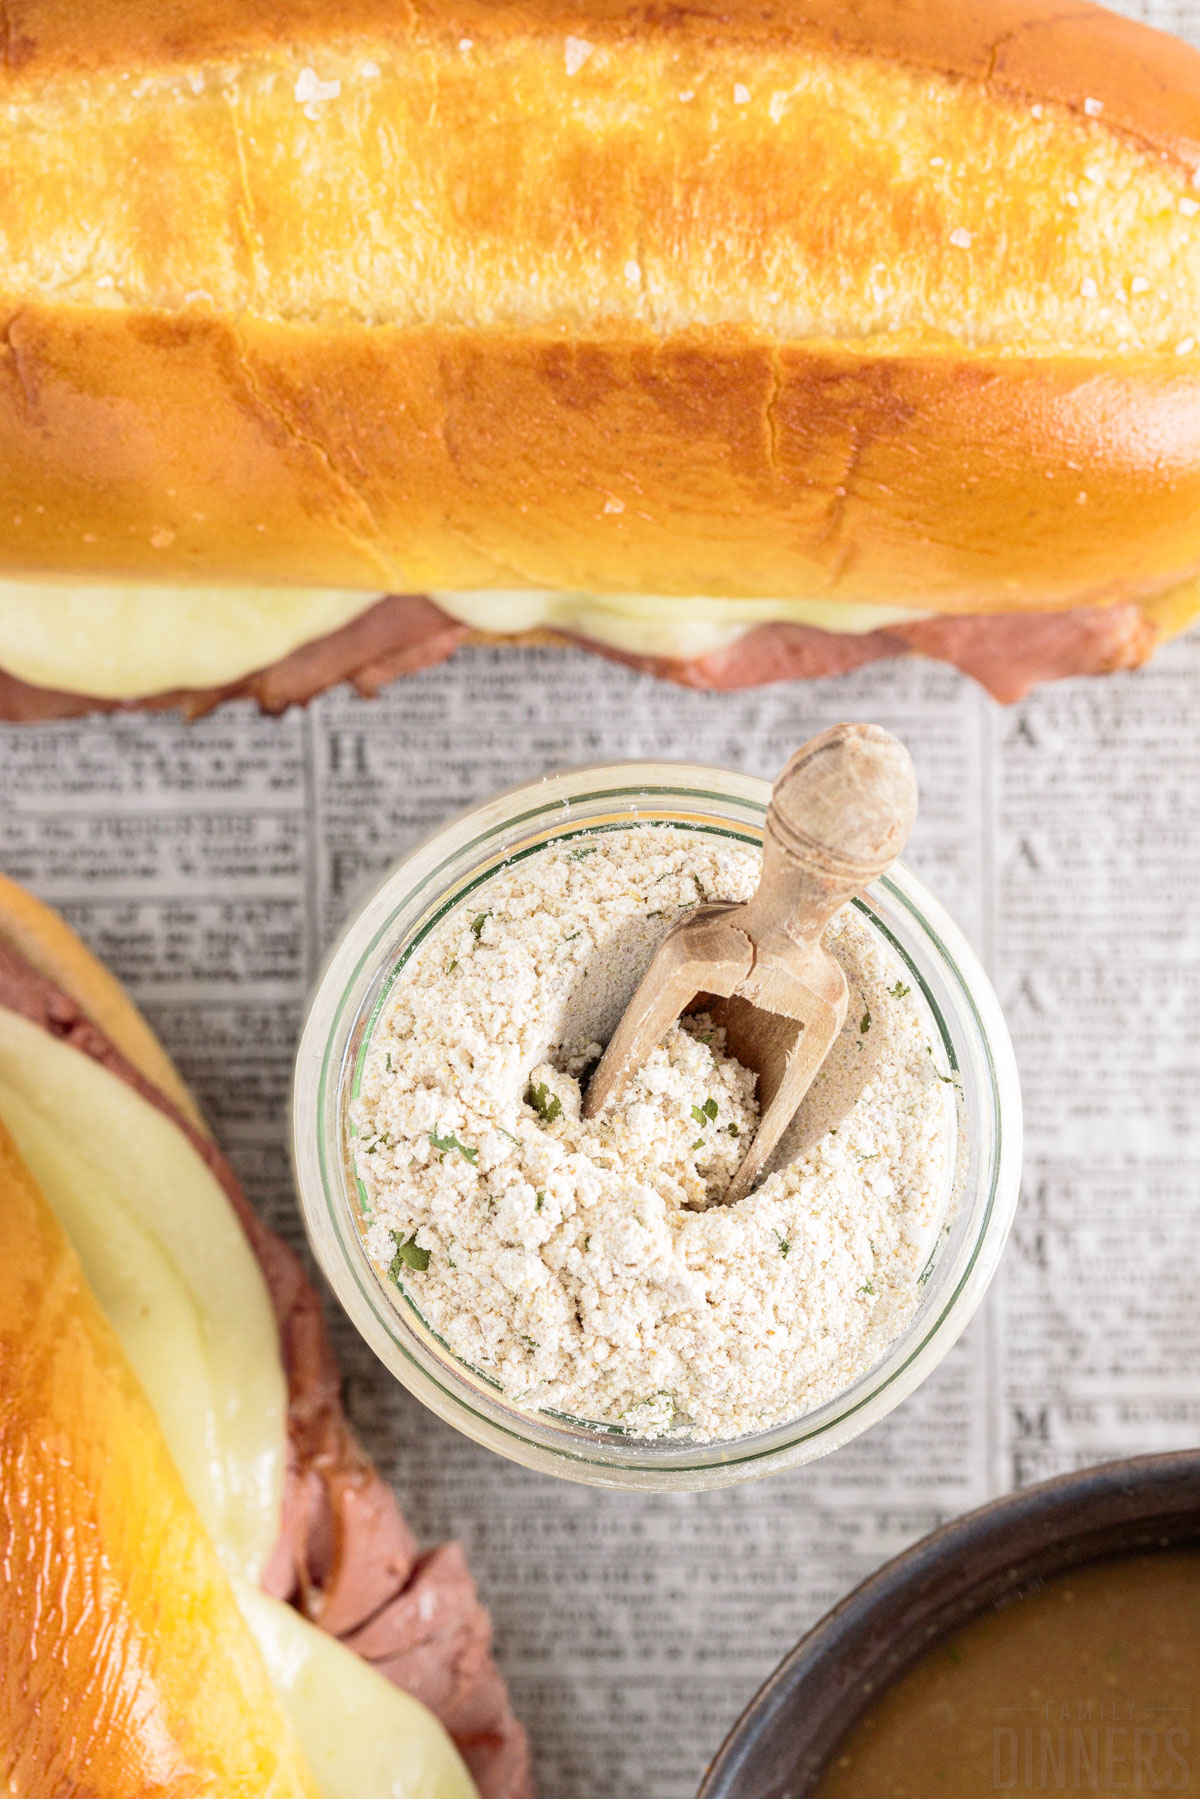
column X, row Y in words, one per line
column 839, row 816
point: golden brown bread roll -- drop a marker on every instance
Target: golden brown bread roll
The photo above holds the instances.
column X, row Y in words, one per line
column 894, row 304
column 126, row 1669
column 343, row 1550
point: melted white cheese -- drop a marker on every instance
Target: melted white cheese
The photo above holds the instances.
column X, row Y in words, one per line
column 361, row 1737
column 170, row 1264
column 125, row 642
column 122, row 643
column 648, row 624
column 146, row 1301
column 171, row 1267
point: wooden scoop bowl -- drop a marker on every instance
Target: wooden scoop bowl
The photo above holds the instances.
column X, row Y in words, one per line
column 840, row 814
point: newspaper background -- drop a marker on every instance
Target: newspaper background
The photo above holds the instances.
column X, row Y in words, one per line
column 211, row 863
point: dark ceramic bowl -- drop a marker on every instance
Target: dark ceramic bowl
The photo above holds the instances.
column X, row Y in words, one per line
column 786, row 1735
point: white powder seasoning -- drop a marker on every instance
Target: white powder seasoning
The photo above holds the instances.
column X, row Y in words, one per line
column 588, row 1267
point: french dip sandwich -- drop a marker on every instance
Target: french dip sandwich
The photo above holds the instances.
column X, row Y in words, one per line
column 208, row 1589
column 736, row 340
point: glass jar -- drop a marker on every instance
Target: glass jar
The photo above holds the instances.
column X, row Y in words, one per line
column 437, row 877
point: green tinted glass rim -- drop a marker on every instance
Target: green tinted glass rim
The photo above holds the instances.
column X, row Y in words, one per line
column 371, row 1293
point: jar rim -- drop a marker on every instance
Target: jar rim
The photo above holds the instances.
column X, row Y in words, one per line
column 411, row 899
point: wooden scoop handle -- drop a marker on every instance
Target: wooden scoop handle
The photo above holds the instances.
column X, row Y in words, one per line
column 840, row 814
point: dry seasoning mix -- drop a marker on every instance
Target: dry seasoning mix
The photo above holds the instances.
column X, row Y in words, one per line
column 584, row 1265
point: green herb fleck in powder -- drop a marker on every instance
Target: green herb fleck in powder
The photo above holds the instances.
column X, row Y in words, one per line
column 446, row 1144
column 547, row 1105
column 408, row 1255
column 650, row 1399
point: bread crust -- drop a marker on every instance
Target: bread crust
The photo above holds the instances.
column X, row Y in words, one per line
column 125, row 1667
column 339, row 346
column 437, row 460
column 1147, row 83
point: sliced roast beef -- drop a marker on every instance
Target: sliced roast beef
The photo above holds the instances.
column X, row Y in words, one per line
column 1008, row 653
column 1012, row 652
column 345, row 1557
column 394, row 636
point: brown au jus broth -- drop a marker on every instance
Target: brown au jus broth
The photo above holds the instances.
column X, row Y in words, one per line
column 1090, row 1684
